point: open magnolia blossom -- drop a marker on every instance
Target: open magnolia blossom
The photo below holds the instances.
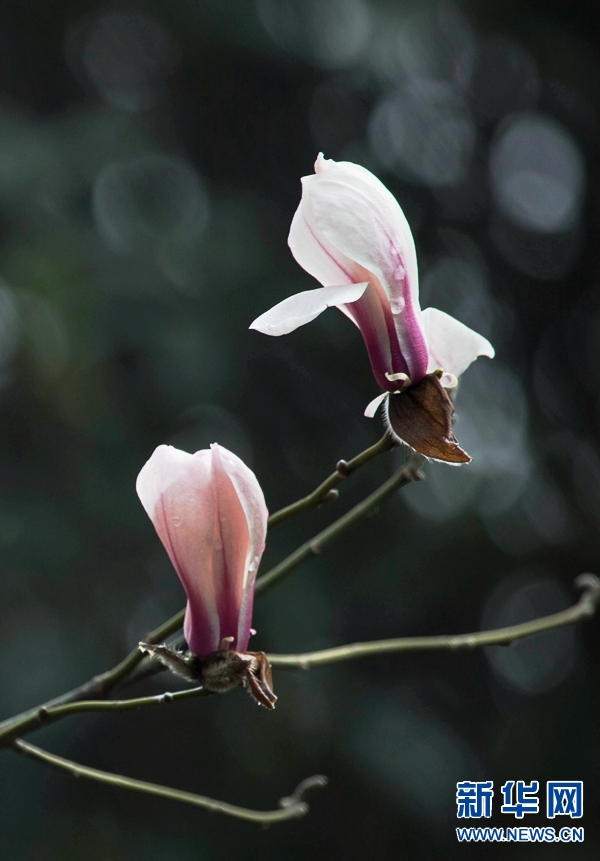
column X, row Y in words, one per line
column 209, row 512
column 350, row 233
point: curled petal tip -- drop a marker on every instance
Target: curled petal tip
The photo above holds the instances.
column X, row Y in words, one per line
column 404, row 378
column 322, row 164
column 374, row 405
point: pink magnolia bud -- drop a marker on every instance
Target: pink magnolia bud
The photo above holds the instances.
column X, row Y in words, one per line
column 209, row 512
column 351, row 235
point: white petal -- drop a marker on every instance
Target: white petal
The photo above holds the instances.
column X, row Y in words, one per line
column 253, row 503
column 449, row 381
column 356, row 215
column 374, row 405
column 347, row 217
column 297, row 310
column 323, row 164
column 167, row 466
column 452, row 345
column 326, row 264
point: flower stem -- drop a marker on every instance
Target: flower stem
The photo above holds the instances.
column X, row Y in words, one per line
column 323, row 492
column 290, row 808
column 585, row 608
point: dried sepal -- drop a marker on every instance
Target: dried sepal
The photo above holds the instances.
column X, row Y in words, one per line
column 258, row 680
column 183, row 664
column 421, row 416
column 223, row 670
column 220, row 671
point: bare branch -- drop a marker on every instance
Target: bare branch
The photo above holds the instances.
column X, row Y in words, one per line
column 95, row 689
column 585, row 608
column 409, row 472
column 136, row 666
column 326, row 490
column 291, row 807
column 48, row 714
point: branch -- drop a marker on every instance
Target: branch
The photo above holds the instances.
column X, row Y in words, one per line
column 409, row 472
column 290, row 808
column 585, row 608
column 95, row 689
column 326, row 490
column 135, row 666
column 48, row 714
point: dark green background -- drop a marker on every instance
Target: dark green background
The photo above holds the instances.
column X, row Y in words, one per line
column 124, row 313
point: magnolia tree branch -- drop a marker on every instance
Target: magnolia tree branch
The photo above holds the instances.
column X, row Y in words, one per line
column 408, row 473
column 135, row 665
column 326, row 490
column 585, row 608
column 88, row 696
column 95, row 689
column 49, row 713
column 291, row 807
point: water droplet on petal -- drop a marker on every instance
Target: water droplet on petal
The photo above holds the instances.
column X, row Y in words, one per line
column 397, row 304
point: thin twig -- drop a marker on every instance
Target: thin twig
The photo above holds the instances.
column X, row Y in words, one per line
column 326, row 490
column 48, row 714
column 585, row 608
column 290, row 808
column 409, row 472
column 95, row 689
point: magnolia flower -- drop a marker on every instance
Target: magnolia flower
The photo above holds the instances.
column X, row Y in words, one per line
column 209, row 512
column 351, row 235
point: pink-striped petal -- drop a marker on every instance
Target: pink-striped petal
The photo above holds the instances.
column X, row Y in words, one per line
column 349, row 224
column 374, row 319
column 353, row 211
column 209, row 512
column 252, row 501
column 349, row 208
column 349, row 231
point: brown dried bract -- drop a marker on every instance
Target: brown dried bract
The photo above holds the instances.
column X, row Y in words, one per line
column 221, row 670
column 421, row 417
column 258, row 681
